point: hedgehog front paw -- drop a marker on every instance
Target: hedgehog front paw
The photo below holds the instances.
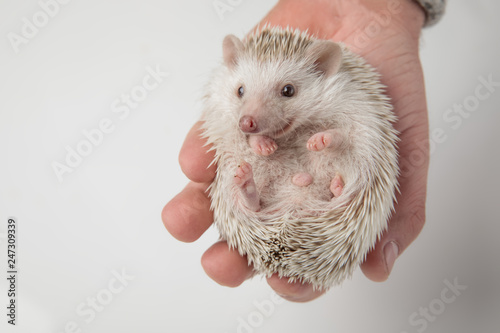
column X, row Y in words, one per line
column 244, row 180
column 332, row 138
column 262, row 145
column 337, row 186
column 320, row 141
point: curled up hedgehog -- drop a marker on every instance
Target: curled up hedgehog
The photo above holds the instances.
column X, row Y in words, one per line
column 306, row 155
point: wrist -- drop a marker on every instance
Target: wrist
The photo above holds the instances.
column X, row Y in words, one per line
column 409, row 16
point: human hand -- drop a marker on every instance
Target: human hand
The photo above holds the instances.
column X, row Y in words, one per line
column 390, row 45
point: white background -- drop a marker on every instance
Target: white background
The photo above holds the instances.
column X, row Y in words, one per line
column 105, row 215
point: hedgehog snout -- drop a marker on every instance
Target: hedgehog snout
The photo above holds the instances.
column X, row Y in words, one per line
column 248, row 124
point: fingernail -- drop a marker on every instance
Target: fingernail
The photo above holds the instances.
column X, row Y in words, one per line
column 391, row 252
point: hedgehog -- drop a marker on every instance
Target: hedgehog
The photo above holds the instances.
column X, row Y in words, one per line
column 306, row 154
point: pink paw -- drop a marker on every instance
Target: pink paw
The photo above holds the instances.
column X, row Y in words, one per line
column 262, row 145
column 243, row 174
column 337, row 185
column 244, row 180
column 319, row 141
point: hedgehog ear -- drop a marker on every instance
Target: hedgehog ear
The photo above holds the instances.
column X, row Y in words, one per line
column 327, row 56
column 231, row 46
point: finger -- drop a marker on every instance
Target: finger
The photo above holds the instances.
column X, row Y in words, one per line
column 294, row 291
column 406, row 223
column 194, row 157
column 225, row 266
column 187, row 216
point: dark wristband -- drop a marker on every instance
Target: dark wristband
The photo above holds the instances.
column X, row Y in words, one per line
column 434, row 10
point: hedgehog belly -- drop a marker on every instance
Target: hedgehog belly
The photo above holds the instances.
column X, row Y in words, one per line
column 299, row 232
column 279, row 196
column 314, row 249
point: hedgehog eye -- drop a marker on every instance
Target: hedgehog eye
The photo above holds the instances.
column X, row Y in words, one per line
column 241, row 91
column 288, row 91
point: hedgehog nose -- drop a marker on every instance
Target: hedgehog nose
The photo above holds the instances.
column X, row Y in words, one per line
column 248, row 124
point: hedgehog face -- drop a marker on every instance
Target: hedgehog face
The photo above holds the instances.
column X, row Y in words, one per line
column 268, row 99
column 274, row 94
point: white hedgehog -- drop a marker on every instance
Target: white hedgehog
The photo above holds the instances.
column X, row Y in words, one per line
column 306, row 155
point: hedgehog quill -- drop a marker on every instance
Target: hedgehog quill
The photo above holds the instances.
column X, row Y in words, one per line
column 306, row 154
